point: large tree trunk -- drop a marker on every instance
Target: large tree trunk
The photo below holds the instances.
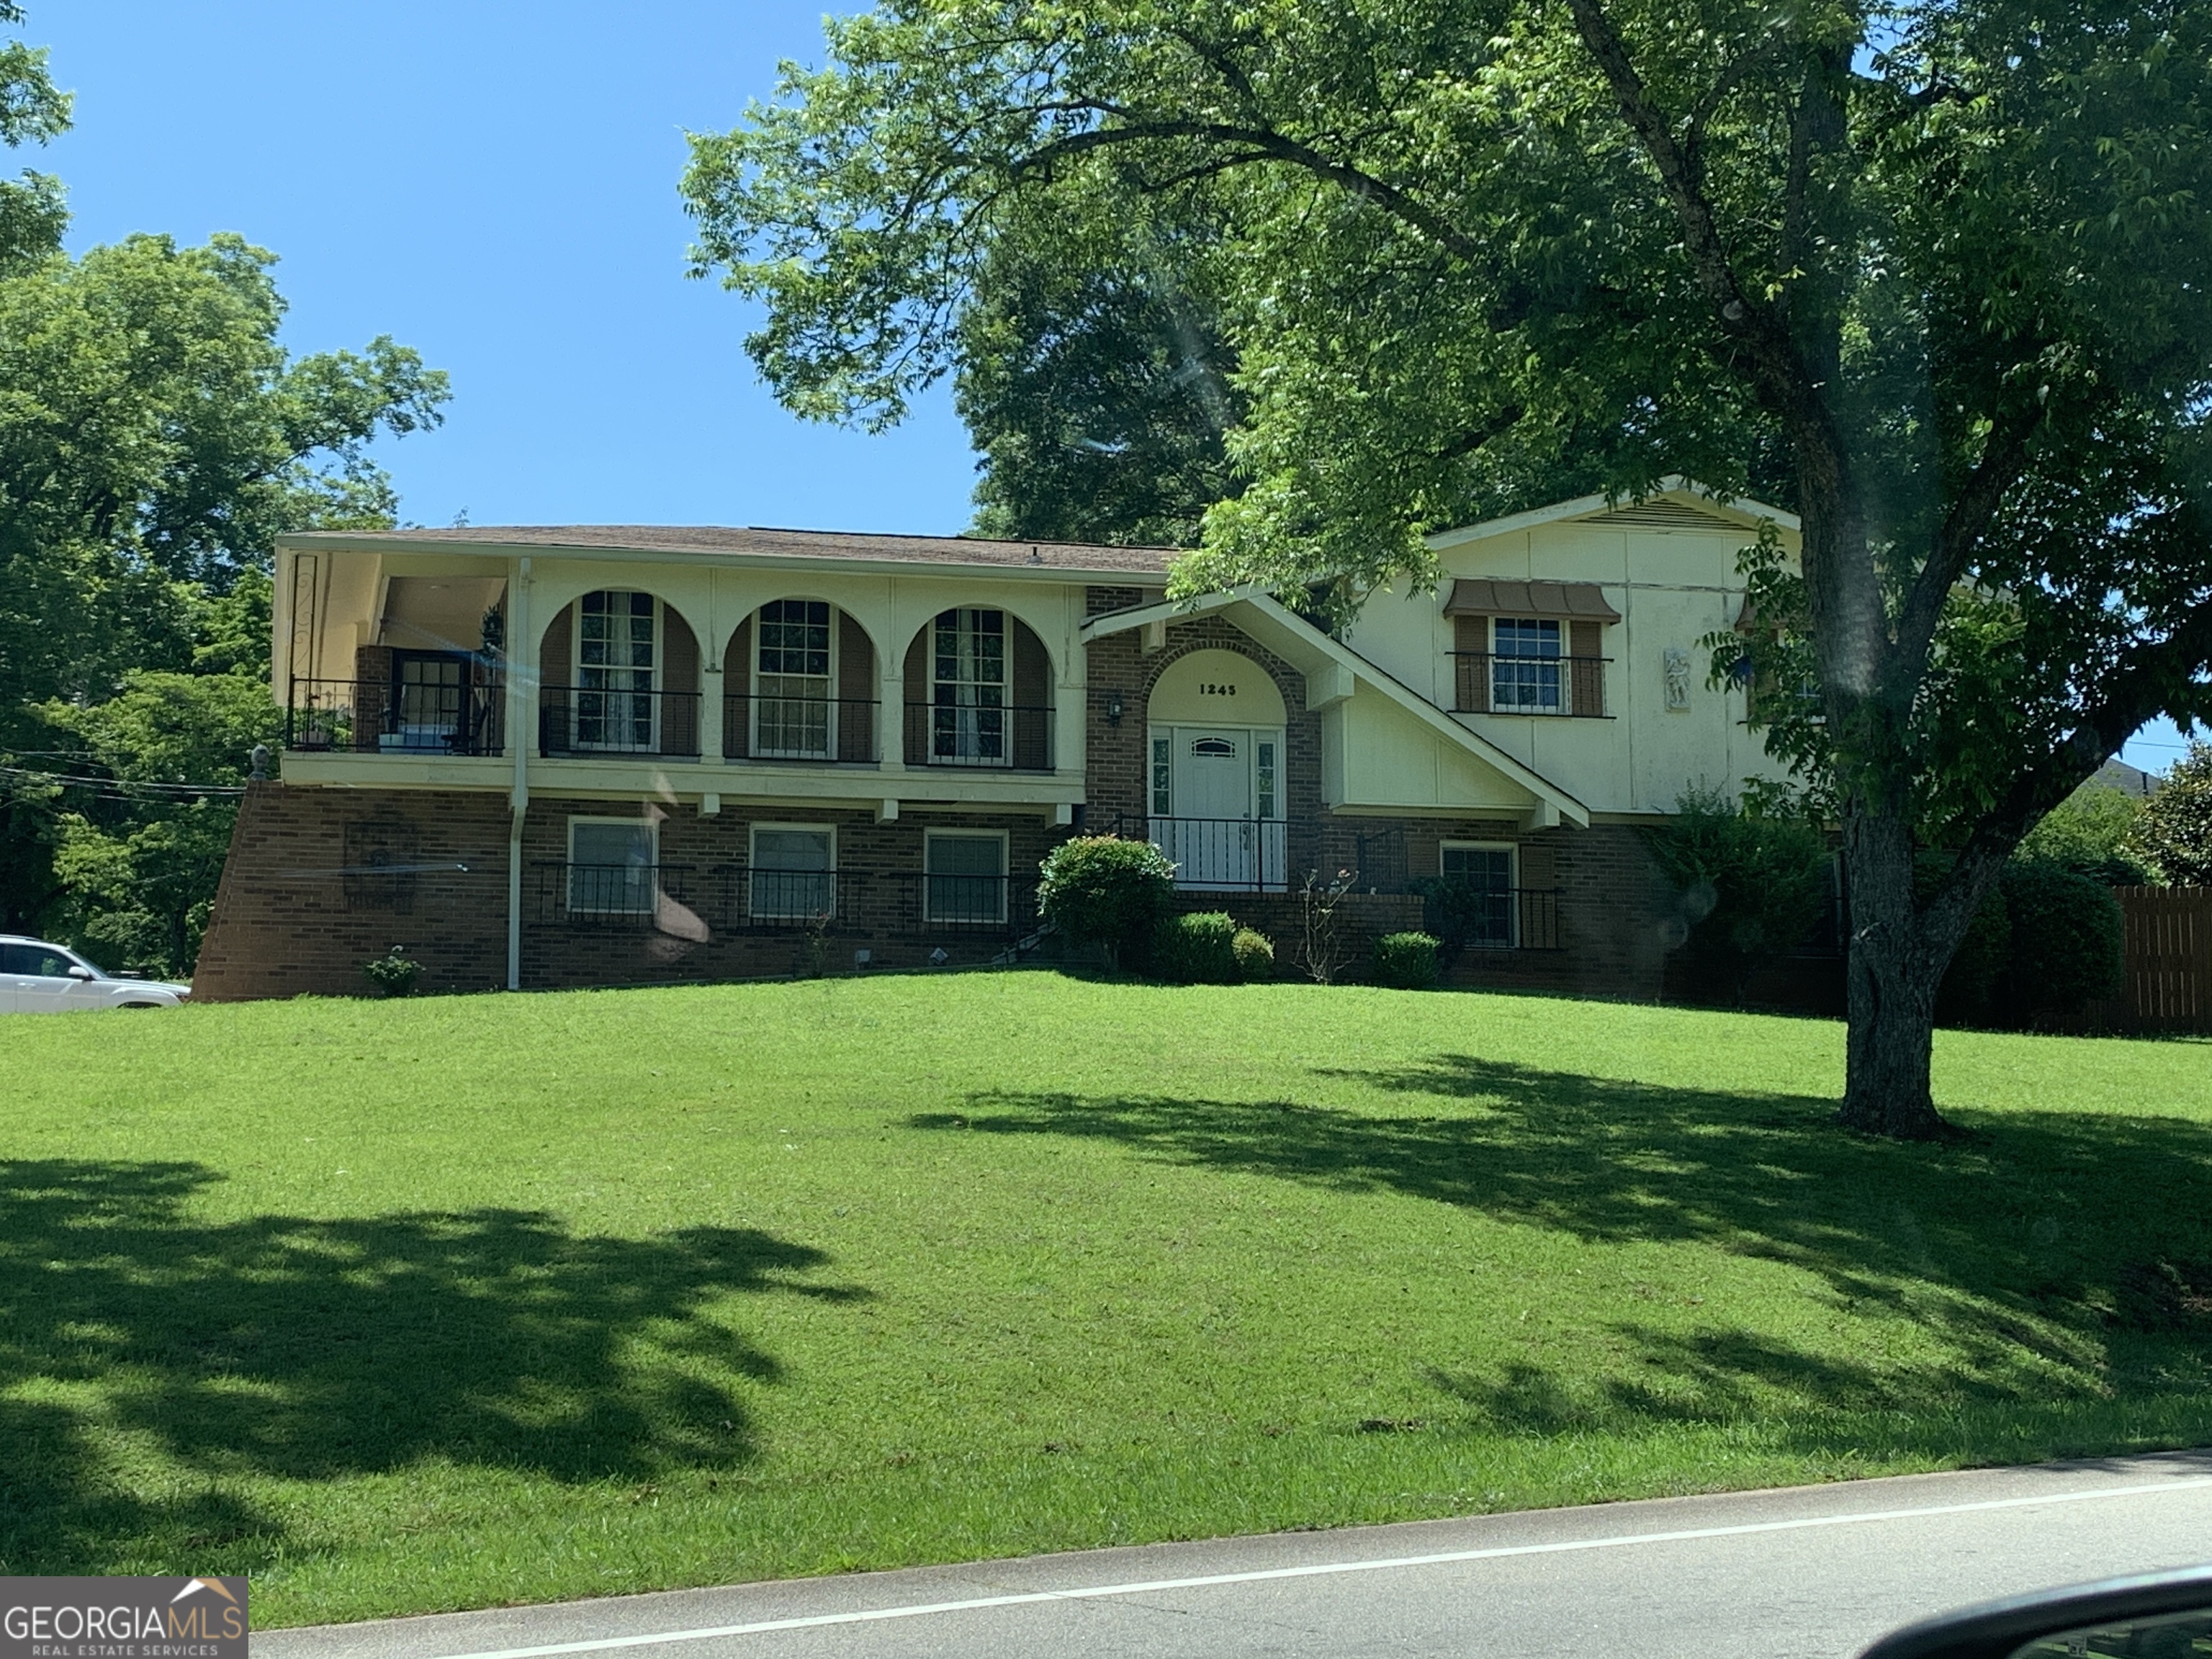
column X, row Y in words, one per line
column 1897, row 961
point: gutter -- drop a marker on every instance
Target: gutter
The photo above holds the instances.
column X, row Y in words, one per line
column 517, row 731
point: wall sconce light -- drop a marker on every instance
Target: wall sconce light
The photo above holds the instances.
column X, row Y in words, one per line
column 1112, row 708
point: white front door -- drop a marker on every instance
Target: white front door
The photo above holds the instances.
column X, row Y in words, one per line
column 1214, row 835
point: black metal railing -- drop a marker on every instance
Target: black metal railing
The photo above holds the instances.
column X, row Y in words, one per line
column 1249, row 855
column 1016, row 737
column 1467, row 916
column 373, row 717
column 1486, row 681
column 734, row 898
column 615, row 895
column 772, row 727
column 791, row 898
column 925, row 903
column 589, row 720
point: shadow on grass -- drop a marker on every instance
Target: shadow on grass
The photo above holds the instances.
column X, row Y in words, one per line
column 2053, row 1257
column 311, row 1349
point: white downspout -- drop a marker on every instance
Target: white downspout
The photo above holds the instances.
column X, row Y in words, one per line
column 522, row 666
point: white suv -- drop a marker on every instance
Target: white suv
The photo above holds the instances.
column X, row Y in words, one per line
column 38, row 978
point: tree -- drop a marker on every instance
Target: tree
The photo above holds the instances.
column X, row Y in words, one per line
column 2093, row 832
column 1946, row 266
column 1094, row 381
column 154, row 438
column 2175, row 830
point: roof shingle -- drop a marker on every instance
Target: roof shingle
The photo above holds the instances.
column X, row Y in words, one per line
column 740, row 542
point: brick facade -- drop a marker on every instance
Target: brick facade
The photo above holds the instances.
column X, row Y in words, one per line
column 321, row 880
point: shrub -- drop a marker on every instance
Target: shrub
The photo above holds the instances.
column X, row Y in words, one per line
column 1196, row 950
column 1101, row 889
column 1255, row 953
column 1407, row 961
column 2092, row 832
column 2066, row 946
column 393, row 974
column 1753, row 886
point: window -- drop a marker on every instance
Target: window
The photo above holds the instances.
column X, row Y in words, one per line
column 792, row 709
column 428, row 703
column 1524, row 666
column 37, row 960
column 794, row 873
column 617, row 634
column 1264, row 768
column 1479, row 888
column 1163, row 777
column 612, row 866
column 968, row 713
column 964, row 878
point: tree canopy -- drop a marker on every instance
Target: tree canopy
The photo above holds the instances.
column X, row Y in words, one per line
column 1943, row 270
column 155, row 436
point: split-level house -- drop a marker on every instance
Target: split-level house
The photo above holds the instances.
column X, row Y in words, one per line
column 610, row 755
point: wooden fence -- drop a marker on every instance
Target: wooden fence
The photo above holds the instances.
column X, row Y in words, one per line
column 2169, row 959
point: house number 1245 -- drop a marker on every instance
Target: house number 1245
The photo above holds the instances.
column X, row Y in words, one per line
column 1209, row 689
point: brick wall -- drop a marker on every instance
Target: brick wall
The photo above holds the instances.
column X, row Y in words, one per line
column 319, row 881
column 704, row 932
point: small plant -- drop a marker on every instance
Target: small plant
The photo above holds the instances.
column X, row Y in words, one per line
column 1255, row 954
column 1196, row 950
column 1321, row 951
column 818, row 945
column 1406, row 962
column 1101, row 889
column 393, row 974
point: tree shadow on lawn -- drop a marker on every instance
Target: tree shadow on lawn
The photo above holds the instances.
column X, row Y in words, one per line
column 2054, row 1257
column 304, row 1349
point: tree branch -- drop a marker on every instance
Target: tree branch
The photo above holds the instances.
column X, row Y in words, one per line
column 2003, row 459
column 1268, row 143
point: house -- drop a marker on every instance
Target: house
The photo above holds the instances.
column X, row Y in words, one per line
column 608, row 755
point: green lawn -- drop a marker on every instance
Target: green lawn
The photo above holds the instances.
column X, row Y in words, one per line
column 401, row 1306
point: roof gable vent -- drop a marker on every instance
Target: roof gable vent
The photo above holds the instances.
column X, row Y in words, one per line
column 1662, row 514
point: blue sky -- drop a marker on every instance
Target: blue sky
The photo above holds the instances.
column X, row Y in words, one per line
column 495, row 184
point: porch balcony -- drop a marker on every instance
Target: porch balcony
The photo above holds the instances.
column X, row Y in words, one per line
column 586, row 721
column 461, row 713
column 1002, row 737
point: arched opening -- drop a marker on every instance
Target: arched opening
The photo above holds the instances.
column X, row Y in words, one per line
column 1215, row 728
column 799, row 684
column 979, row 692
column 618, row 673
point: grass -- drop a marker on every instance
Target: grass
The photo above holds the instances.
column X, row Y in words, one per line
column 414, row 1305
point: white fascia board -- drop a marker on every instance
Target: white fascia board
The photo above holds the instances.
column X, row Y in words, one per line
column 337, row 541
column 1314, row 653
column 1744, row 510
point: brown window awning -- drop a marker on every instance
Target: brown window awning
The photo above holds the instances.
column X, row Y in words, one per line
column 1480, row 597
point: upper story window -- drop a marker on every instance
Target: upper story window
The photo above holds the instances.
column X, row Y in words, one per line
column 792, row 714
column 618, row 649
column 969, row 689
column 1529, row 648
column 1524, row 666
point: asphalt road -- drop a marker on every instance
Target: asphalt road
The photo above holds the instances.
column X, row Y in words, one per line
column 1809, row 1572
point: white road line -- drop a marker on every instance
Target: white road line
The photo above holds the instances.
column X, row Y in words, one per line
column 1322, row 1569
